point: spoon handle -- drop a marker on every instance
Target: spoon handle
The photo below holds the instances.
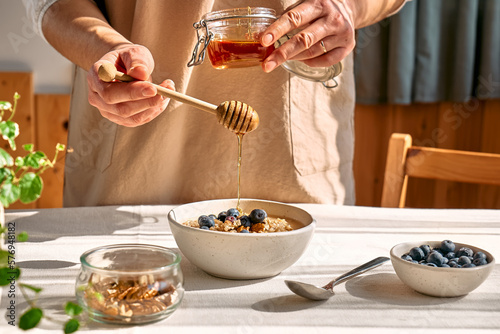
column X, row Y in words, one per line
column 108, row 72
column 356, row 271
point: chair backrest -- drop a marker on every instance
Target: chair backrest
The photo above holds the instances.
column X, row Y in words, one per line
column 405, row 160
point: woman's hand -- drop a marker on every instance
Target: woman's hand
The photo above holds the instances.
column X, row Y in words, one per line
column 128, row 103
column 325, row 34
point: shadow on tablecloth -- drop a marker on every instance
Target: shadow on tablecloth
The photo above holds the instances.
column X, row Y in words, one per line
column 388, row 289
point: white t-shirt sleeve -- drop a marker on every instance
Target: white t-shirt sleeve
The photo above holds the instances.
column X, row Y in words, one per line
column 35, row 10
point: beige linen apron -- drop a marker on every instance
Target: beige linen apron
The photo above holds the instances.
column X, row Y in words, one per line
column 301, row 152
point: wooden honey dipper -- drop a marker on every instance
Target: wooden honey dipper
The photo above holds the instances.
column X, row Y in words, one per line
column 236, row 116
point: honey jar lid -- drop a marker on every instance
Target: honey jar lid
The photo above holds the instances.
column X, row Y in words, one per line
column 325, row 75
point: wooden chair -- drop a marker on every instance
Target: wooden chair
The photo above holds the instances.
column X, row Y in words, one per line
column 405, row 160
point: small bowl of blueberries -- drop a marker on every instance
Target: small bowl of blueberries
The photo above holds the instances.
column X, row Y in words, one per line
column 441, row 268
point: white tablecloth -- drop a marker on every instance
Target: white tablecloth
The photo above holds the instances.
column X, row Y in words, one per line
column 345, row 237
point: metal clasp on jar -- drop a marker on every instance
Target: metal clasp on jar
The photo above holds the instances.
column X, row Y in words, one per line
column 204, row 39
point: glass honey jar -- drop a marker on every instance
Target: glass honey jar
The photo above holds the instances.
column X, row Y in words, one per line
column 231, row 38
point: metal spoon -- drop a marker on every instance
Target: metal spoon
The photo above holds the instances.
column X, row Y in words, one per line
column 322, row 293
column 235, row 116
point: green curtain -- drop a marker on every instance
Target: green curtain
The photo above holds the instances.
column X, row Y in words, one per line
column 432, row 50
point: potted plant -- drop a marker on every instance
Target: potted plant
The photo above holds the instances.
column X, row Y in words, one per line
column 20, row 180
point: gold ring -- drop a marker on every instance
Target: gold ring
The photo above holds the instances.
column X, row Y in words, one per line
column 324, row 47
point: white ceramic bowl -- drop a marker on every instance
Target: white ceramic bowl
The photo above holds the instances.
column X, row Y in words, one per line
column 439, row 282
column 241, row 255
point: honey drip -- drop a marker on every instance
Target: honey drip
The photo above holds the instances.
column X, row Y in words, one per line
column 240, row 142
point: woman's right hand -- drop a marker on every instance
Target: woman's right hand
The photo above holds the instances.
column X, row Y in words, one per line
column 128, row 103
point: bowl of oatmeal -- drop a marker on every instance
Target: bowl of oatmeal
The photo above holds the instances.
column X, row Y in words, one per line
column 270, row 245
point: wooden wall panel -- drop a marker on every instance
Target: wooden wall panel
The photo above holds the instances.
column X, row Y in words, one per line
column 373, row 125
column 465, row 126
column 489, row 196
column 420, row 121
column 52, row 115
column 22, row 83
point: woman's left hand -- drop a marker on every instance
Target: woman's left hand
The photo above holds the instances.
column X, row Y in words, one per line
column 325, row 36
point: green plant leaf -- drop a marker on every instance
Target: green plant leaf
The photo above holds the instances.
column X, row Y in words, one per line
column 28, row 147
column 34, row 159
column 7, row 275
column 30, row 318
column 72, row 309
column 71, row 326
column 5, row 158
column 5, row 174
column 23, row 236
column 4, row 256
column 31, row 187
column 60, row 147
column 31, row 287
column 9, row 193
column 19, row 162
column 4, row 105
column 9, row 130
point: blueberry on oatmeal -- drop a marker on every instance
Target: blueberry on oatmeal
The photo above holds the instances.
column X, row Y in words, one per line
column 222, row 216
column 257, row 216
column 233, row 212
column 245, row 221
column 206, row 221
column 232, row 219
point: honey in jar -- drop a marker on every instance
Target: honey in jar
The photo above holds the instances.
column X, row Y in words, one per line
column 231, row 37
column 233, row 54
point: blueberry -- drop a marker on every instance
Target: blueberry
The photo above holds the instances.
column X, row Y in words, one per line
column 437, row 249
column 233, row 212
column 447, row 246
column 449, row 255
column 244, row 231
column 416, row 253
column 464, row 251
column 406, row 257
column 452, row 263
column 206, row 221
column 232, row 219
column 205, row 227
column 444, row 260
column 430, row 264
column 213, row 217
column 463, row 260
column 468, row 265
column 480, row 261
column 436, row 258
column 258, row 216
column 456, row 266
column 245, row 221
column 444, row 265
column 426, row 249
column 479, row 255
column 222, row 216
